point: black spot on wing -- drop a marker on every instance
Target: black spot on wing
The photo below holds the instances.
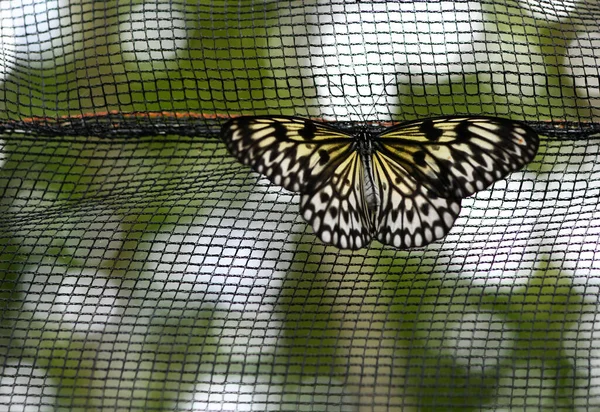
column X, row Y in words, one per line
column 419, row 158
column 323, row 156
column 280, row 131
column 308, row 131
column 333, row 211
column 463, row 134
column 431, row 132
column 273, row 155
column 345, row 215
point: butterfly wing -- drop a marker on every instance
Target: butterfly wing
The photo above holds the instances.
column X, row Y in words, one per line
column 424, row 168
column 410, row 214
column 337, row 209
column 314, row 159
column 458, row 156
column 292, row 152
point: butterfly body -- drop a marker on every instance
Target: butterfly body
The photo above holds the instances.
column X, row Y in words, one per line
column 402, row 186
column 364, row 144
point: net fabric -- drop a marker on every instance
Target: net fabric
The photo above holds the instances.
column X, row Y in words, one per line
column 143, row 268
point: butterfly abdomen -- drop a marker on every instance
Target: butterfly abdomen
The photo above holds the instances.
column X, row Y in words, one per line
column 371, row 193
column 364, row 145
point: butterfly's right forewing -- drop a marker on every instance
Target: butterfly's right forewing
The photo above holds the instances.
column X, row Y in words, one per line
column 458, row 156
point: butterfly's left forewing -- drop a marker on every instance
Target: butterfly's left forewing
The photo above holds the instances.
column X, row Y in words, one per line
column 292, row 152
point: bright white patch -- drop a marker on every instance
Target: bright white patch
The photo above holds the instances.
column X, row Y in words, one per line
column 363, row 46
column 261, row 137
column 344, row 242
column 326, row 236
column 328, row 221
column 554, row 11
column 308, row 213
column 358, row 241
column 42, row 32
column 26, row 387
column 407, row 240
column 316, row 224
column 336, row 237
column 448, row 219
column 470, row 171
column 484, row 144
column 285, row 164
column 7, row 45
column 418, row 239
column 442, row 152
column 490, row 162
column 439, row 232
column 428, row 235
column 487, row 125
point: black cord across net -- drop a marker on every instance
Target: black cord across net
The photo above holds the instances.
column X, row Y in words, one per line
column 143, row 268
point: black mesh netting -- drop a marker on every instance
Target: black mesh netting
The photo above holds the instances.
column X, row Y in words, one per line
column 143, row 268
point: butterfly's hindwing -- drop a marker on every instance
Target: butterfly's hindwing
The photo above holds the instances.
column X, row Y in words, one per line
column 337, row 209
column 410, row 214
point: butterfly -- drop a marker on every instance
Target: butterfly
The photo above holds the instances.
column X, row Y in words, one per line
column 402, row 186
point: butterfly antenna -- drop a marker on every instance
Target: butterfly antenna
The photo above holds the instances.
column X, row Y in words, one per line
column 348, row 103
column 393, row 79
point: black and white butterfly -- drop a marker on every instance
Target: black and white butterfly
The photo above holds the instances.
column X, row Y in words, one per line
column 402, row 186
